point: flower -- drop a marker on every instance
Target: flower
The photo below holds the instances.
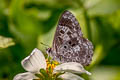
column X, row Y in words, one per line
column 36, row 62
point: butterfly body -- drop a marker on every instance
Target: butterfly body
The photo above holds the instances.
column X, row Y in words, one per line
column 69, row 45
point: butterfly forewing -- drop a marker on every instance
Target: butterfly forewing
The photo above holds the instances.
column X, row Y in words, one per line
column 69, row 45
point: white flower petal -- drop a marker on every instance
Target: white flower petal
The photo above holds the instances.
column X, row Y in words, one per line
column 70, row 76
column 25, row 76
column 72, row 67
column 34, row 62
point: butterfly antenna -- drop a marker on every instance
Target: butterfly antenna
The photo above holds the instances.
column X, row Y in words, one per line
column 44, row 44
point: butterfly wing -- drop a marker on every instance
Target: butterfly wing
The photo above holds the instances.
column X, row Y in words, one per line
column 69, row 45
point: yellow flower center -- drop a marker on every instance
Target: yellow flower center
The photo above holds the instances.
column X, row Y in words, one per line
column 51, row 65
column 49, row 71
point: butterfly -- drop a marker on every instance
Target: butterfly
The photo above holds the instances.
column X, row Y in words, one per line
column 69, row 45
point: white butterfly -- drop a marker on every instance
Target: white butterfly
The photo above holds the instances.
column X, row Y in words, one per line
column 36, row 61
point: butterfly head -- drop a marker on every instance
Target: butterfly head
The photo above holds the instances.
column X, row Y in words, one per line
column 48, row 50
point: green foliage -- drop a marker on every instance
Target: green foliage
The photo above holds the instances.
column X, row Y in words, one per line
column 29, row 22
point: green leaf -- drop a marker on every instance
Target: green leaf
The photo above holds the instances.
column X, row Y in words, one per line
column 103, row 7
column 40, row 76
column 58, row 79
column 23, row 26
column 58, row 74
column 114, row 19
column 44, row 73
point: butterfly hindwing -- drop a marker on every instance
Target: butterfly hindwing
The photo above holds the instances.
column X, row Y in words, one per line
column 69, row 45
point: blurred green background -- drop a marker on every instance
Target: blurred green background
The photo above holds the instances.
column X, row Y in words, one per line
column 26, row 23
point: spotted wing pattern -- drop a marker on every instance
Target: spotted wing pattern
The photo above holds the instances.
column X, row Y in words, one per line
column 69, row 45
